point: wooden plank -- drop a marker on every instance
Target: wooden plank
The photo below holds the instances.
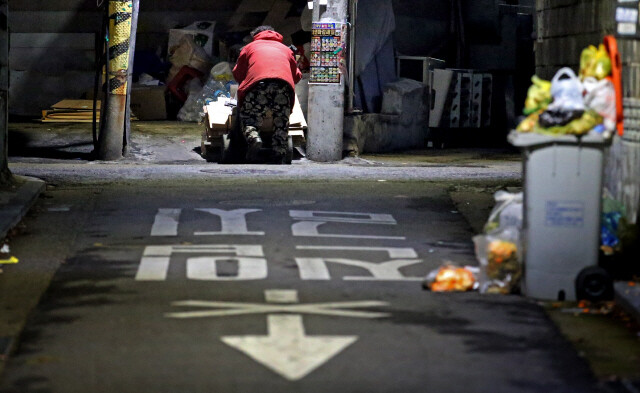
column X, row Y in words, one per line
column 75, row 104
column 297, row 117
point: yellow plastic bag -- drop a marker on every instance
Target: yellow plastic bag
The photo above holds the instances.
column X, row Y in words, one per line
column 595, row 62
column 538, row 96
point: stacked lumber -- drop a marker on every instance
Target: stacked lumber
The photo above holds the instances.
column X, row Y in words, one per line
column 73, row 111
column 297, row 124
column 70, row 111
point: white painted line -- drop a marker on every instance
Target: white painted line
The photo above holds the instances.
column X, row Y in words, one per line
column 394, row 252
column 205, row 268
column 287, row 350
column 154, row 265
column 59, row 209
column 235, row 308
column 346, row 217
column 232, row 222
column 310, row 229
column 282, row 296
column 166, row 222
column 316, row 269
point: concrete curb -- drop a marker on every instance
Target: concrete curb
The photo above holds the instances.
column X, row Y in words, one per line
column 22, row 199
column 628, row 297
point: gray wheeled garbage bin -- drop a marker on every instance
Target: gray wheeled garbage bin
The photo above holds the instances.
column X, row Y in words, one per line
column 562, row 178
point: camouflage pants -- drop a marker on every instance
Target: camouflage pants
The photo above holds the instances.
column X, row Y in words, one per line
column 274, row 96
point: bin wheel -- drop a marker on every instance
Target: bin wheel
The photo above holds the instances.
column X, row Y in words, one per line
column 594, row 284
column 288, row 158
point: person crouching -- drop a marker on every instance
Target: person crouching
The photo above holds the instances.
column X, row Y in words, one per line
column 267, row 73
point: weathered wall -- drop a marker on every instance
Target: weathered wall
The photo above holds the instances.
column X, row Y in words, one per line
column 566, row 27
column 4, row 80
column 52, row 43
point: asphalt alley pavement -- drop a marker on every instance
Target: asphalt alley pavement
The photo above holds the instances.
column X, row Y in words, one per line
column 245, row 285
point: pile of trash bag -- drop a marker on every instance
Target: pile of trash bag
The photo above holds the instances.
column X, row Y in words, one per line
column 218, row 84
column 571, row 104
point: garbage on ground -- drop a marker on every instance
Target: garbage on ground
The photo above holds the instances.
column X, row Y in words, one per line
column 148, row 102
column 201, row 33
column 188, row 53
column 572, row 105
column 451, row 278
column 500, row 261
column 218, row 85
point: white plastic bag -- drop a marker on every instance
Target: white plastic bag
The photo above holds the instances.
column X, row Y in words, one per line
column 567, row 92
column 506, row 213
column 601, row 97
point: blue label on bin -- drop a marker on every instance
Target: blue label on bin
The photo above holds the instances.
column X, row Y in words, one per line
column 564, row 214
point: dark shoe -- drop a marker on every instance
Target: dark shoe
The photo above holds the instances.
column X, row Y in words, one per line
column 253, row 152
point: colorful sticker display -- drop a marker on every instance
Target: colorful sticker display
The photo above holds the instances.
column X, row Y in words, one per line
column 327, row 51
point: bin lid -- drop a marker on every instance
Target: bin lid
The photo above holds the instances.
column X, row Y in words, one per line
column 531, row 139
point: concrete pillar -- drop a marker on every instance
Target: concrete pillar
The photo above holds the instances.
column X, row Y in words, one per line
column 326, row 102
column 5, row 175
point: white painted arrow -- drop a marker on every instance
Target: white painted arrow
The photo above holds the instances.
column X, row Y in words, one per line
column 287, row 350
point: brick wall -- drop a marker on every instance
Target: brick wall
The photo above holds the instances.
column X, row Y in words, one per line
column 566, row 27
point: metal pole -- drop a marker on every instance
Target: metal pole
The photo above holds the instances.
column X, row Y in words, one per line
column 110, row 141
column 353, row 12
column 5, row 174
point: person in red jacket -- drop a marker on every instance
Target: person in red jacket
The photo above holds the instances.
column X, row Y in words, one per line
column 267, row 73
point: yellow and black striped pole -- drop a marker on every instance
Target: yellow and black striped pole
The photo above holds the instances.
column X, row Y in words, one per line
column 120, row 13
column 110, row 141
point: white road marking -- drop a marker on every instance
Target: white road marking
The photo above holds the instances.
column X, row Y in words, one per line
column 281, row 296
column 316, row 269
column 154, row 264
column 394, row 252
column 309, row 221
column 205, row 269
column 166, row 222
column 287, row 350
column 353, row 218
column 232, row 222
column 236, row 308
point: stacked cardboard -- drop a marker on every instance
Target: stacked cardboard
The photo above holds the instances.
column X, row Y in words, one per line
column 70, row 111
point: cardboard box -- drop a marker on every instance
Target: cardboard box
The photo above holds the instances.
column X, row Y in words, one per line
column 148, row 102
column 202, row 33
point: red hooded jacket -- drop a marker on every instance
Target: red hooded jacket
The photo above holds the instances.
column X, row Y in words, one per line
column 265, row 58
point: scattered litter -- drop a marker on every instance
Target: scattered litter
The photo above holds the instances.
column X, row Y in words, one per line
column 10, row 261
column 5, row 249
column 451, row 278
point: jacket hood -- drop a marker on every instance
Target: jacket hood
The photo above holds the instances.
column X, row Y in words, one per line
column 268, row 35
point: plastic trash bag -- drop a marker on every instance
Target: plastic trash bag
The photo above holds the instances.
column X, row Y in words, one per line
column 538, row 96
column 507, row 212
column 612, row 214
column 500, row 259
column 193, row 109
column 452, row 278
column 553, row 118
column 581, row 126
column 595, row 62
column 601, row 98
column 222, row 72
column 566, row 90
